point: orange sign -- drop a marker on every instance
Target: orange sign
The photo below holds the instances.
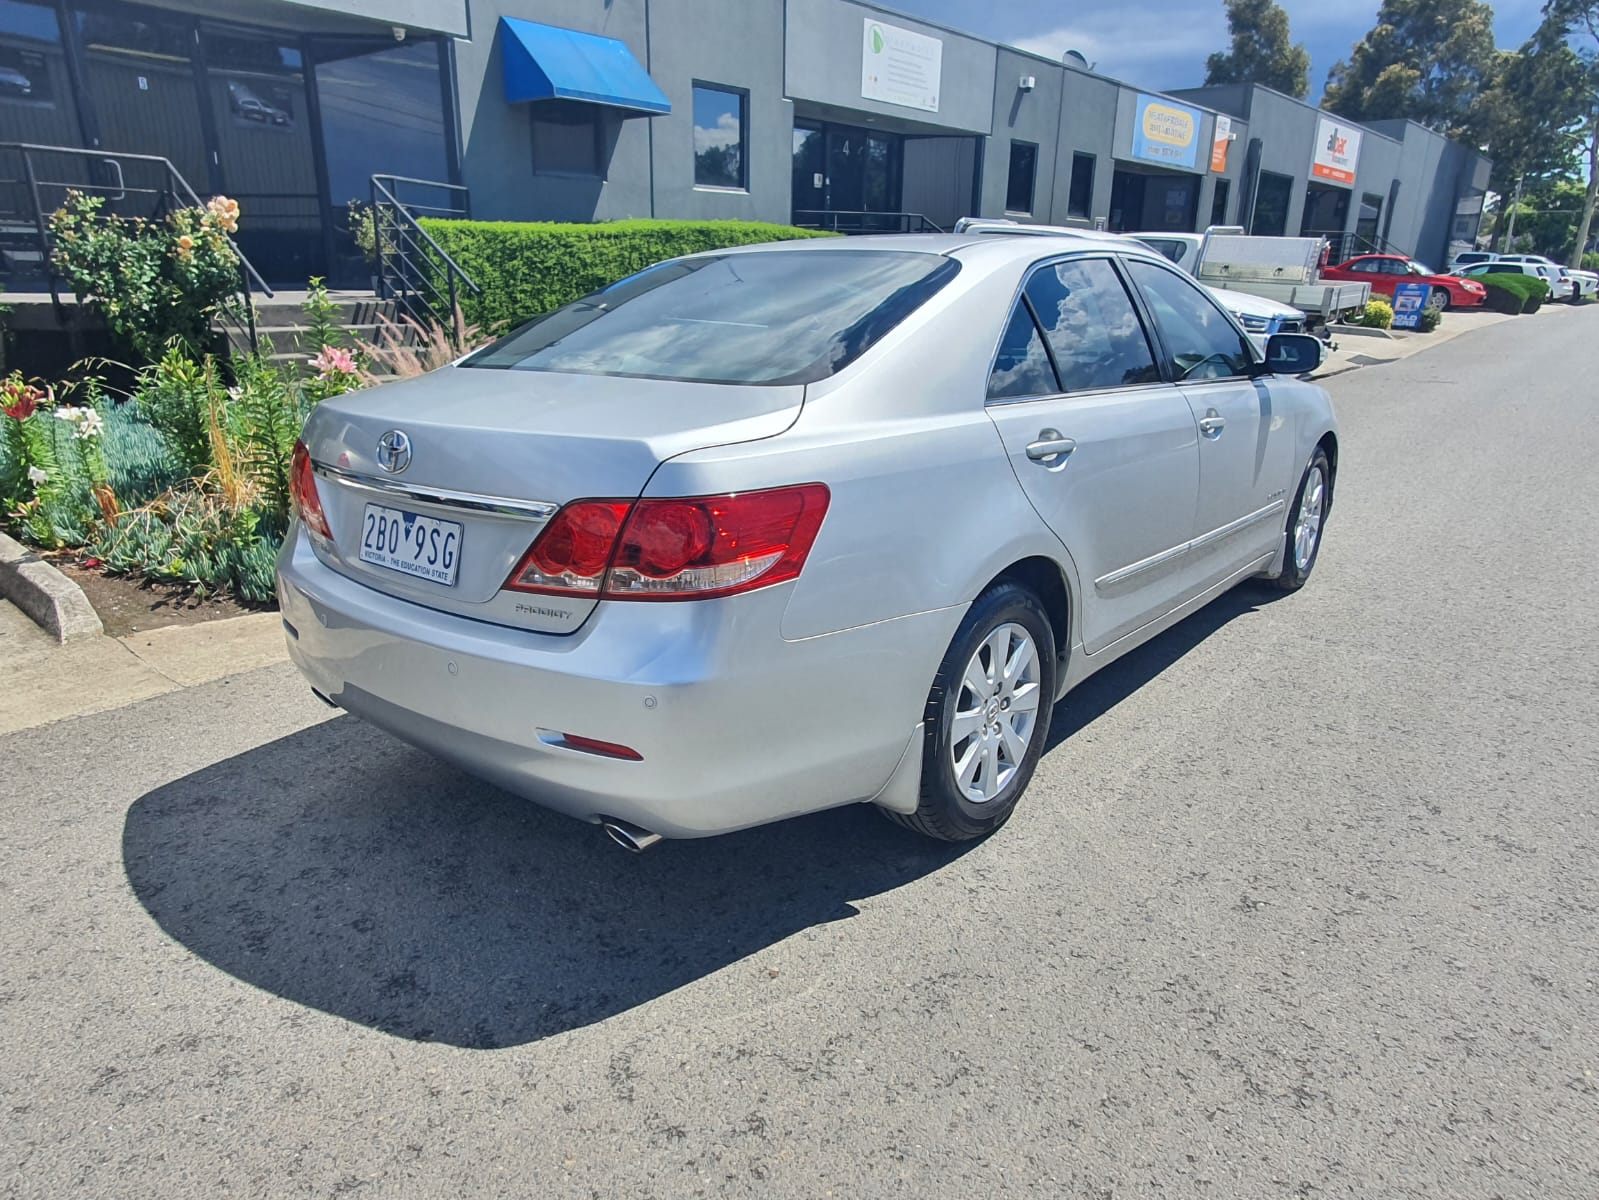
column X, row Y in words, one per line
column 1220, row 141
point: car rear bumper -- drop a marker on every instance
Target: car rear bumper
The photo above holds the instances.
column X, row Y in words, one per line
column 734, row 725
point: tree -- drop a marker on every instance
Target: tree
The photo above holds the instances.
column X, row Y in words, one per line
column 1574, row 24
column 1426, row 60
column 1261, row 52
column 1524, row 117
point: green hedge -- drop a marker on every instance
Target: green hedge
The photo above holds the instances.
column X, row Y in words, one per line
column 1508, row 293
column 526, row 268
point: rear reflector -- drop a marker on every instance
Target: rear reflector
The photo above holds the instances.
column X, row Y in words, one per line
column 591, row 746
column 691, row 548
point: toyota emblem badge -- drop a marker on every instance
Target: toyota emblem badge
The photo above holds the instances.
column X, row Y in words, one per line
column 394, row 451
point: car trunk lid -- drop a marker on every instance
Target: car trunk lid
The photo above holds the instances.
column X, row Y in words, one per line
column 493, row 454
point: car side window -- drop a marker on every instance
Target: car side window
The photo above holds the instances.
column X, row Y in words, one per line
column 1091, row 326
column 1394, row 266
column 1022, row 367
column 1201, row 341
column 1365, row 266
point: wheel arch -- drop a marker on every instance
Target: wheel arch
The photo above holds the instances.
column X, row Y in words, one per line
column 1328, row 442
column 1047, row 579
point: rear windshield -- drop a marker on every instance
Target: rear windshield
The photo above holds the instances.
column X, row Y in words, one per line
column 774, row 317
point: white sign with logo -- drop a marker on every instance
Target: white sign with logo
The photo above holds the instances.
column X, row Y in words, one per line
column 900, row 66
column 1337, row 151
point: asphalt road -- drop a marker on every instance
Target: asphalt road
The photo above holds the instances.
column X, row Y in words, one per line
column 1304, row 902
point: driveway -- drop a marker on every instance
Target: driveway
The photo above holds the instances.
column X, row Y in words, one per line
column 1304, row 902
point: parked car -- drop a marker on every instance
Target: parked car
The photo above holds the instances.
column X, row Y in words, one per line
column 1573, row 284
column 768, row 530
column 1260, row 317
column 1469, row 258
column 1385, row 272
column 14, row 83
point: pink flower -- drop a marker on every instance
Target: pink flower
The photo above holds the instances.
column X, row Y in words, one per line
column 333, row 362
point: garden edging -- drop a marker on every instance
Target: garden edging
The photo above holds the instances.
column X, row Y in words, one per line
column 48, row 597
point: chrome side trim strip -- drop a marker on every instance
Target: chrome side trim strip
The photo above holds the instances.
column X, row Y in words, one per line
column 541, row 510
column 1123, row 574
column 1232, row 527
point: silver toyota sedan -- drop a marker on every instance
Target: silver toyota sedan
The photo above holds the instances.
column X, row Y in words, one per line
column 764, row 531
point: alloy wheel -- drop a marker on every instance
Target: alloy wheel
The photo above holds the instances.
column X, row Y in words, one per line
column 1307, row 525
column 995, row 716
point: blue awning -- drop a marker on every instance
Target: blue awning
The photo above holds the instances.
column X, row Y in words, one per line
column 546, row 62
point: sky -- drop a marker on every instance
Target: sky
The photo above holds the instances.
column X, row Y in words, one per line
column 1161, row 44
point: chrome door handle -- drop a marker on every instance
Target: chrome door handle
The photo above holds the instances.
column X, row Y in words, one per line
column 1050, row 446
column 1211, row 424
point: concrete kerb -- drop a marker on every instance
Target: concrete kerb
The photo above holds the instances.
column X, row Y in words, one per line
column 49, row 598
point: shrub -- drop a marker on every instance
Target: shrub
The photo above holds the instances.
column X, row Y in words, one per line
column 1514, row 293
column 1590, row 262
column 528, row 268
column 153, row 281
column 1379, row 314
column 1430, row 318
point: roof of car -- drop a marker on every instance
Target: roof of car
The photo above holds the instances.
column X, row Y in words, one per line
column 988, row 244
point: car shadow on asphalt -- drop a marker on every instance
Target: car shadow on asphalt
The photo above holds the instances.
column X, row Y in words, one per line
column 342, row 869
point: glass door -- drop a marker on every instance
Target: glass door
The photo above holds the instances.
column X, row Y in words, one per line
column 255, row 83
column 143, row 90
column 810, row 172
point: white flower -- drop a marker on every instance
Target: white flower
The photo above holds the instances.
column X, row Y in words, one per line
column 68, row 412
column 36, row 476
column 90, row 424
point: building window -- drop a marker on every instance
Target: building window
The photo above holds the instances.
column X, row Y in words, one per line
column 566, row 139
column 1272, row 195
column 721, row 133
column 1080, row 200
column 1023, row 171
column 1218, row 202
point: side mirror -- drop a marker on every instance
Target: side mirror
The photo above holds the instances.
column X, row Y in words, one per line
column 1293, row 354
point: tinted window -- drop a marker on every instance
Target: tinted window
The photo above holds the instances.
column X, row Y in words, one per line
column 1218, row 203
column 1202, row 342
column 1169, row 247
column 1019, row 183
column 1090, row 325
column 1080, row 198
column 1366, row 266
column 1022, row 367
column 1272, row 194
column 776, row 316
column 566, row 138
column 719, row 137
column 1497, row 269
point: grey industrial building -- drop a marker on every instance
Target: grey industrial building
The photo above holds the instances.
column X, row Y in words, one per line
column 823, row 112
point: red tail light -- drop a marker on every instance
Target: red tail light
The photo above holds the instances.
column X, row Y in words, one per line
column 302, row 488
column 680, row 549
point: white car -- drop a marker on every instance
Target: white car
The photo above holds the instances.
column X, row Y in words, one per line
column 1573, row 284
column 1260, row 317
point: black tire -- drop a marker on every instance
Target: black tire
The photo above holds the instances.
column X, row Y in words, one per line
column 944, row 811
column 1444, row 301
column 1294, row 575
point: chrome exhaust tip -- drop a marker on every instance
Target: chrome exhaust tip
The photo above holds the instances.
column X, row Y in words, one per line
column 628, row 836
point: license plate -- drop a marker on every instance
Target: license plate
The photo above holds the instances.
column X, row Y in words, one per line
column 410, row 543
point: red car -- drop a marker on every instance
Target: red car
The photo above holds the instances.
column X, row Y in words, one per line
column 1385, row 271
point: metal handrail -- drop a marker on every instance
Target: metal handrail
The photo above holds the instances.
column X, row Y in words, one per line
column 922, row 223
column 413, row 254
column 177, row 187
column 28, row 148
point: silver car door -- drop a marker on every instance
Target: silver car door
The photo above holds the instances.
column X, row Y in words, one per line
column 1245, row 443
column 1105, row 450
